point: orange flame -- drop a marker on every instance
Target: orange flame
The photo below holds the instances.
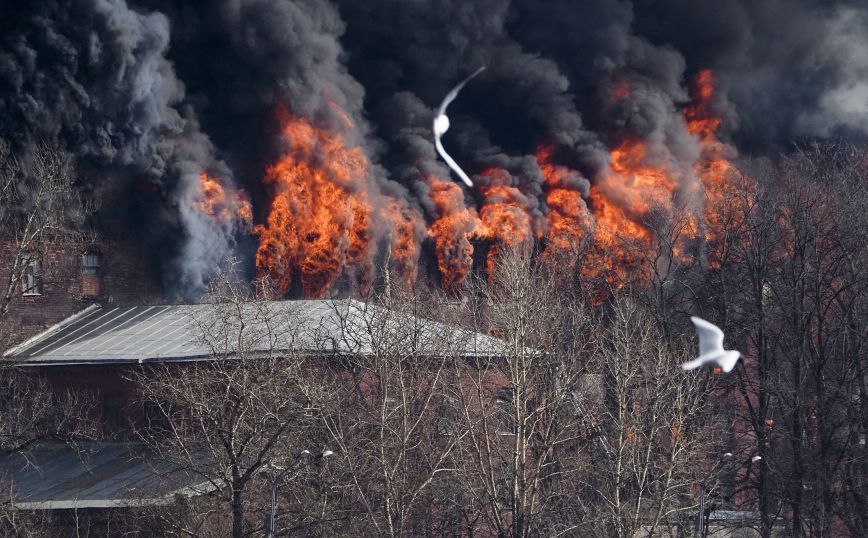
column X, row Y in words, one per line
column 619, row 91
column 319, row 218
column 405, row 241
column 505, row 219
column 451, row 231
column 721, row 182
column 324, row 213
column 215, row 203
column 701, row 120
column 569, row 220
column 621, row 201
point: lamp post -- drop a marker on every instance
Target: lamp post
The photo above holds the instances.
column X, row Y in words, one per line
column 700, row 525
column 304, row 460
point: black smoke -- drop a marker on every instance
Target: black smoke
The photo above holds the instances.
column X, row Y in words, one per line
column 93, row 75
column 162, row 90
column 788, row 70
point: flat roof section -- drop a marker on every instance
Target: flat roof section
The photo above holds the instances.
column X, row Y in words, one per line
column 61, row 476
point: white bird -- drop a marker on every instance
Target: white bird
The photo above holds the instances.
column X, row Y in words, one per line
column 756, row 459
column 441, row 125
column 711, row 347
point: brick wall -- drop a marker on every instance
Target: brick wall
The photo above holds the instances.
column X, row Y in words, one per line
column 126, row 276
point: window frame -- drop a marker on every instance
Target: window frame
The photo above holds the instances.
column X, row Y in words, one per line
column 31, row 276
column 506, row 419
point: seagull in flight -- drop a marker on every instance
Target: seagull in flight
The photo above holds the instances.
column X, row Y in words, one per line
column 711, row 347
column 441, row 125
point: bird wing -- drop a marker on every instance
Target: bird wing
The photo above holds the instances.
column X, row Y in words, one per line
column 695, row 363
column 728, row 361
column 451, row 162
column 710, row 336
column 454, row 92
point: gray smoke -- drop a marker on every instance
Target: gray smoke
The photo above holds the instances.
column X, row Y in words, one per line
column 93, row 75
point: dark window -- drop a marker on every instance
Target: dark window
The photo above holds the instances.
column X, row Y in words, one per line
column 90, row 280
column 391, row 394
column 505, row 411
column 90, row 264
column 504, row 486
column 31, row 279
column 112, row 413
column 447, row 418
column 310, row 409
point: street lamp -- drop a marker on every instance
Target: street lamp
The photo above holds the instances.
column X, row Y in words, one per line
column 303, row 461
column 700, row 527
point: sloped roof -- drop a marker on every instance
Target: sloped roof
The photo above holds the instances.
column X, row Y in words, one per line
column 54, row 476
column 140, row 334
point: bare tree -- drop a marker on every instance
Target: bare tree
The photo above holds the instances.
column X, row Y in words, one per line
column 235, row 418
column 654, row 440
column 518, row 406
column 39, row 206
column 812, row 296
column 383, row 405
column 792, row 290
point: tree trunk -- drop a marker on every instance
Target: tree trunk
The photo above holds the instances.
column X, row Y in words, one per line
column 237, row 511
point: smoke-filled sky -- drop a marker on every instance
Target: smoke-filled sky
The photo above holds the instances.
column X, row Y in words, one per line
column 320, row 112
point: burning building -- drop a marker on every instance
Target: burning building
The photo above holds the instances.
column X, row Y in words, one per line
column 303, row 148
column 292, row 140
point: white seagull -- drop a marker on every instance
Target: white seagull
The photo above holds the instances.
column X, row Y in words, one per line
column 441, row 125
column 711, row 347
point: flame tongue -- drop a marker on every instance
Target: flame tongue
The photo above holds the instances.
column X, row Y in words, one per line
column 404, row 242
column 224, row 208
column 569, row 219
column 452, row 229
column 721, row 182
column 319, row 218
column 505, row 217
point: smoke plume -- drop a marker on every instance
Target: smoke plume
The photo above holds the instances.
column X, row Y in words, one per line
column 297, row 134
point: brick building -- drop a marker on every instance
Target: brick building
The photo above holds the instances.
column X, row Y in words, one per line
column 96, row 351
column 65, row 278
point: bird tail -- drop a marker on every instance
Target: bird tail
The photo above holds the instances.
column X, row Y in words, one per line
column 729, row 360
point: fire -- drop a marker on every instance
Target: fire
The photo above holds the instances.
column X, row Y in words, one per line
column 700, row 118
column 621, row 201
column 635, row 187
column 452, row 230
column 620, row 90
column 215, row 203
column 326, row 212
column 319, row 219
column 569, row 221
column 504, row 214
column 720, row 180
column 404, row 242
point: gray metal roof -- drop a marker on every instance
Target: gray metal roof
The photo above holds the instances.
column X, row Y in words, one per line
column 54, row 476
column 139, row 334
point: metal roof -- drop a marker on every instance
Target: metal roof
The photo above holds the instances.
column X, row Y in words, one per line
column 55, row 476
column 139, row 334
